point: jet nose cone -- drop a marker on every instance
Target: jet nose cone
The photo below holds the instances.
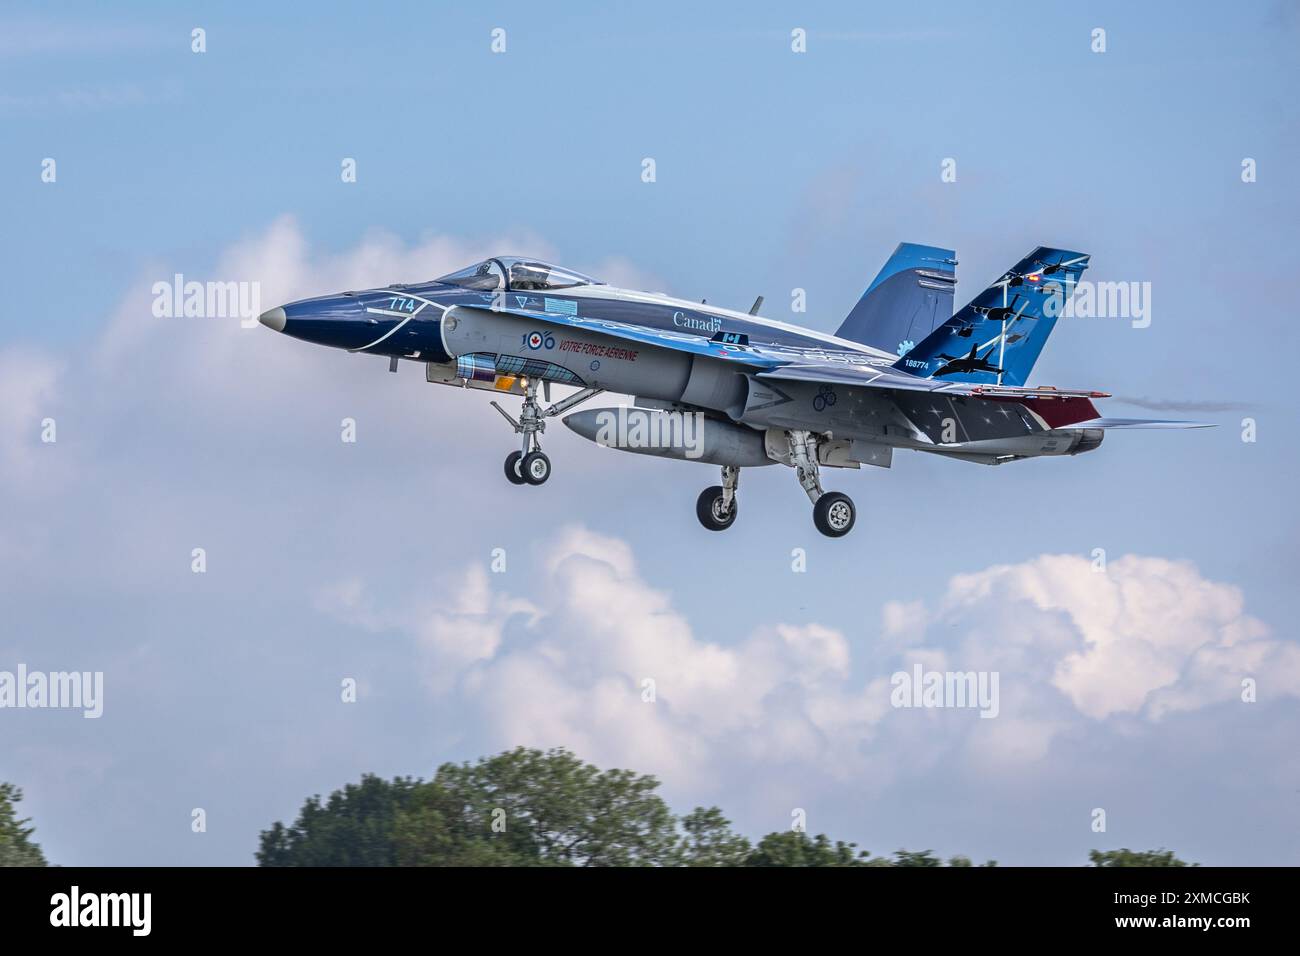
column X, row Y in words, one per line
column 273, row 319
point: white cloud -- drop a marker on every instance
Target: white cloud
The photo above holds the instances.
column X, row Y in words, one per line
column 1071, row 646
column 1155, row 635
column 904, row 621
column 575, row 673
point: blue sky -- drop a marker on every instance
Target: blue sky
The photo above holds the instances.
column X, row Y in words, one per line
column 775, row 171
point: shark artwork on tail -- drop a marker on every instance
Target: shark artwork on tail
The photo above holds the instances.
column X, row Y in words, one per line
column 733, row 389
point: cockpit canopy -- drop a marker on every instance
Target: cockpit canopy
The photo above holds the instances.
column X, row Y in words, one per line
column 516, row 275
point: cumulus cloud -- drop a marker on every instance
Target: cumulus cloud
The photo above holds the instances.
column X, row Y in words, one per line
column 1152, row 634
column 597, row 642
column 452, row 633
column 1073, row 647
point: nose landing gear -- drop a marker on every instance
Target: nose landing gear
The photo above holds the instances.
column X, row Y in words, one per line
column 529, row 465
column 531, row 469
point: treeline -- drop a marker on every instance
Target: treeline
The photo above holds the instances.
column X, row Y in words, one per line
column 534, row 808
column 529, row 808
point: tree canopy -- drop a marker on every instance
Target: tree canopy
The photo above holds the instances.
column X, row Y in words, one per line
column 16, row 846
column 537, row 808
column 1127, row 857
column 518, row 808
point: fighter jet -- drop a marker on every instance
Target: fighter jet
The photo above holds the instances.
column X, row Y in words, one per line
column 734, row 389
column 1002, row 313
column 968, row 363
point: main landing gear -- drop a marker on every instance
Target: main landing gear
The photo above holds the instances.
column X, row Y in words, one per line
column 529, row 465
column 716, row 506
column 833, row 512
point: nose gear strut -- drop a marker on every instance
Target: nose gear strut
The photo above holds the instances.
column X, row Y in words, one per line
column 530, row 465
